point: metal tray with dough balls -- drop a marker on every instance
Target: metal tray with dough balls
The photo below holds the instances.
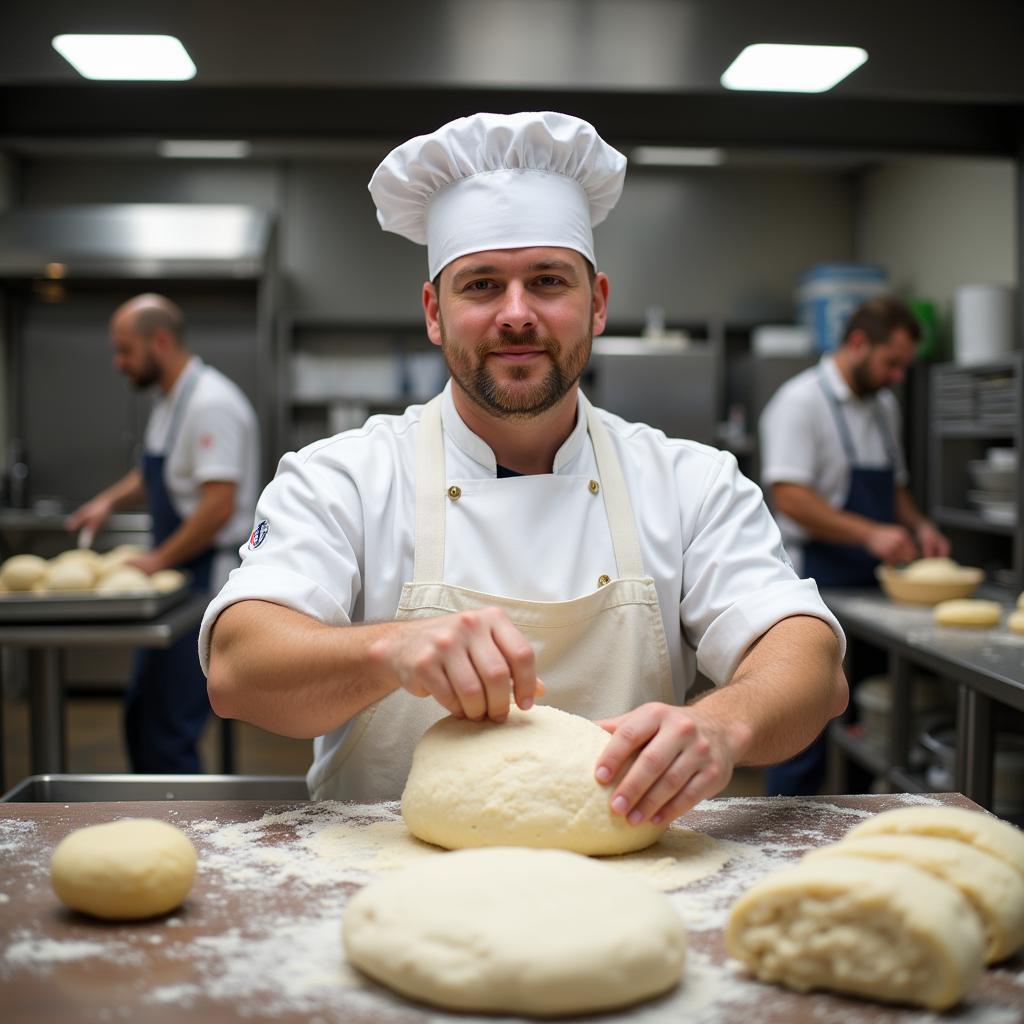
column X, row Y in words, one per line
column 92, row 597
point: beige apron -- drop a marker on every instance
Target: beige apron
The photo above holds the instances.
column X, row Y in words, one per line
column 599, row 655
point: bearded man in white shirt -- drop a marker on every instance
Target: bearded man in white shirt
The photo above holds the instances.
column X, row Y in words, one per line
column 447, row 560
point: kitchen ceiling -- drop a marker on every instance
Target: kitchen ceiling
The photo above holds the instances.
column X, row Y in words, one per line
column 940, row 75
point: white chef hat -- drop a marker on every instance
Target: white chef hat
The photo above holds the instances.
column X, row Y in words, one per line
column 499, row 181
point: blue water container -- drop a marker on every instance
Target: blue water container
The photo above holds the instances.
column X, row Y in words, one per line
column 828, row 294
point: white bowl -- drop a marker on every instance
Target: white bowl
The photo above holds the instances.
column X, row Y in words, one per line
column 1002, row 458
column 991, row 477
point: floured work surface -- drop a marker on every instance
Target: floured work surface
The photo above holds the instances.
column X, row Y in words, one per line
column 260, row 935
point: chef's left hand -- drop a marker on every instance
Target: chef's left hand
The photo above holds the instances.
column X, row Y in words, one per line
column 148, row 563
column 682, row 756
column 932, row 543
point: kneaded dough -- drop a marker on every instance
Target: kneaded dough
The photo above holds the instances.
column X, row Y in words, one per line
column 124, row 870
column 69, row 575
column 1015, row 622
column 991, row 886
column 166, row 580
column 968, row 612
column 978, row 828
column 932, row 570
column 891, row 932
column 526, row 782
column 537, row 932
column 86, row 556
column 125, row 580
column 23, row 572
column 116, row 557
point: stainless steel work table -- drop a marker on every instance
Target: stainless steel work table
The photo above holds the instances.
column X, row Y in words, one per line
column 986, row 664
column 45, row 643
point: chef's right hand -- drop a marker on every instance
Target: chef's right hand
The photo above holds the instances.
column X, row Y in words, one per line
column 470, row 662
column 892, row 544
column 93, row 514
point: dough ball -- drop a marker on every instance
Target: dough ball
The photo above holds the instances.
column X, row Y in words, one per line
column 992, row 887
column 23, row 572
column 125, row 580
column 932, row 570
column 968, row 612
column 166, row 580
column 526, row 782
column 123, row 870
column 977, row 828
column 75, row 575
column 1015, row 622
column 891, row 932
column 116, row 557
column 513, row 931
column 93, row 560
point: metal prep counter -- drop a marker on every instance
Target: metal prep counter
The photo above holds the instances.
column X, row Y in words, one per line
column 987, row 666
column 259, row 937
column 45, row 643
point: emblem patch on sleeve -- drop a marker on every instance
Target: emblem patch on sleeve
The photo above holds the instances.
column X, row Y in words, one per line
column 258, row 535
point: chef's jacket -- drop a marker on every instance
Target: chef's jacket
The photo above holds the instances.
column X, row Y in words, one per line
column 335, row 530
column 800, row 441
column 217, row 439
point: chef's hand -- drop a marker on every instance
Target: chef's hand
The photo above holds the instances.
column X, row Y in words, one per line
column 469, row 662
column 932, row 543
column 892, row 544
column 93, row 514
column 148, row 563
column 682, row 756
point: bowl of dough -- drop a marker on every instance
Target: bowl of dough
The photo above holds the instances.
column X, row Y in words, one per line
column 929, row 581
column 87, row 573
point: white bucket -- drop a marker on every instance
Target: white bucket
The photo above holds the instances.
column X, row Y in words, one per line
column 983, row 323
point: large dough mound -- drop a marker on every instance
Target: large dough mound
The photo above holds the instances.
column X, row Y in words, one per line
column 537, row 932
column 526, row 782
column 985, row 831
column 898, row 935
column 932, row 570
column 23, row 572
column 123, row 870
column 992, row 887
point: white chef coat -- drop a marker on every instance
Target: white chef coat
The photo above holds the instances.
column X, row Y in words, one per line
column 217, row 439
column 335, row 534
column 800, row 442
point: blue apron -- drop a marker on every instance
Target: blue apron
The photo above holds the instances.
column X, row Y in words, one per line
column 872, row 494
column 166, row 707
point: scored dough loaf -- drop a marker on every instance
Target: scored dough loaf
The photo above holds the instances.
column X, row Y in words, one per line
column 528, row 781
column 992, row 887
column 124, row 870
column 514, row 931
column 978, row 828
column 898, row 935
column 968, row 612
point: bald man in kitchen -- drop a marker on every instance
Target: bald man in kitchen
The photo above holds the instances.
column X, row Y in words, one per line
column 832, row 461
column 198, row 477
column 446, row 560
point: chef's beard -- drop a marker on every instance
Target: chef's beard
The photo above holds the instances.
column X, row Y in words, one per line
column 146, row 377
column 470, row 372
column 860, row 378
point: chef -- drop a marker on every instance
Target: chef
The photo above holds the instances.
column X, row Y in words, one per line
column 832, row 461
column 198, row 476
column 507, row 540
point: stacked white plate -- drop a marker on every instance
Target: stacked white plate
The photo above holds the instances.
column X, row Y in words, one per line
column 995, row 480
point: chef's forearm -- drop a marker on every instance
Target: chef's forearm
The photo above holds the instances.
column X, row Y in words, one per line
column 823, row 522
column 290, row 674
column 198, row 531
column 788, row 686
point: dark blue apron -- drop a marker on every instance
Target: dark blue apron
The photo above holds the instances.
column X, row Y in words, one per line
column 872, row 494
column 166, row 707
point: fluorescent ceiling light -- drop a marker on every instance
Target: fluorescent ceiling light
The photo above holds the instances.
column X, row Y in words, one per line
column 133, row 58
column 785, row 67
column 676, row 156
column 205, row 149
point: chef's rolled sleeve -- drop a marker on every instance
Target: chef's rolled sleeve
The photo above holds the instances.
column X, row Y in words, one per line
column 737, row 579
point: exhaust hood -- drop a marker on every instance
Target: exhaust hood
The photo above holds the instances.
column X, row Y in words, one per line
column 144, row 240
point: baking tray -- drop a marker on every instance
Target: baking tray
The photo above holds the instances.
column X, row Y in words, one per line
column 74, row 789
column 78, row 607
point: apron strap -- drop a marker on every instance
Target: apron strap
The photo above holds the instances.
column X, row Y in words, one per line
column 428, row 562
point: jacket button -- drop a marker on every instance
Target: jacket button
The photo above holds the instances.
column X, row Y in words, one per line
column 603, row 580
column 454, row 492
column 593, row 487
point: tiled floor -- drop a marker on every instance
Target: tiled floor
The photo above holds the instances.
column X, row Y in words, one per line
column 94, row 744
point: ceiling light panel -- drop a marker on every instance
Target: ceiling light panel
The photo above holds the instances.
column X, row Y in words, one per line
column 205, row 149
column 787, row 67
column 126, row 58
